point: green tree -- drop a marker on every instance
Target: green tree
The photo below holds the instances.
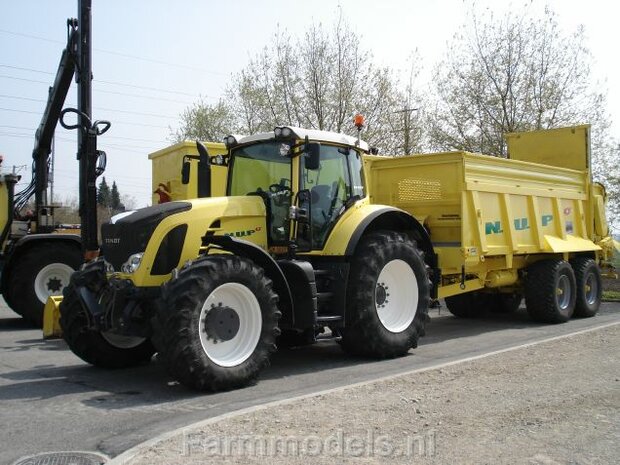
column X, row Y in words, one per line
column 205, row 122
column 115, row 198
column 103, row 193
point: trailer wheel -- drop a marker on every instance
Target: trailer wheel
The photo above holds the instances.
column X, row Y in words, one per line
column 550, row 291
column 469, row 304
column 39, row 272
column 105, row 350
column 506, row 303
column 219, row 323
column 389, row 296
column 589, row 287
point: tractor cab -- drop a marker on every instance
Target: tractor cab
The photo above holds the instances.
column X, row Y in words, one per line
column 309, row 177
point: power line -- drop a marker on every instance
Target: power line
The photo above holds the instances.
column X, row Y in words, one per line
column 154, row 115
column 114, row 83
column 124, row 55
column 125, row 148
column 124, row 94
column 116, row 122
column 32, row 130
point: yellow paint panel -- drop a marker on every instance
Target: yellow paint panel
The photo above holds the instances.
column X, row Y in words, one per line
column 166, row 171
column 51, row 317
column 563, row 147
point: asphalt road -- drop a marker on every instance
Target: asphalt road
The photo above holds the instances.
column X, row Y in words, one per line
column 52, row 401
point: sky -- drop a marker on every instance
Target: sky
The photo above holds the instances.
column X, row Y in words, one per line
column 152, row 59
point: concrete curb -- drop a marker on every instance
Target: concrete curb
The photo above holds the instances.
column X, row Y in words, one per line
column 129, row 454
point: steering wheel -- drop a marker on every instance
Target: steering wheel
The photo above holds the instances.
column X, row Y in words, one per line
column 275, row 188
column 279, row 193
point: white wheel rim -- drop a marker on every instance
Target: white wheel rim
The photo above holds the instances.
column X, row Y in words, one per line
column 237, row 350
column 122, row 342
column 51, row 280
column 396, row 296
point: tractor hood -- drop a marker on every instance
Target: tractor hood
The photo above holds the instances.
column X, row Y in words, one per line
column 147, row 244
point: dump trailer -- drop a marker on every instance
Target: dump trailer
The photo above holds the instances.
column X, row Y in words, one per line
column 316, row 238
column 179, row 173
column 504, row 229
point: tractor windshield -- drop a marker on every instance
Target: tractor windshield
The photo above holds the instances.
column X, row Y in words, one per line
column 261, row 170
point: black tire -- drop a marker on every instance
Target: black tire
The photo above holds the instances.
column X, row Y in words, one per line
column 182, row 332
column 93, row 347
column 589, row 285
column 506, row 303
column 365, row 333
column 550, row 291
column 30, row 268
column 470, row 304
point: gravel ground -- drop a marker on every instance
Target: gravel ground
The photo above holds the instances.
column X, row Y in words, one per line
column 552, row 403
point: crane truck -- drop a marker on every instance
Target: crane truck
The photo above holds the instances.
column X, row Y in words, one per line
column 319, row 238
column 36, row 260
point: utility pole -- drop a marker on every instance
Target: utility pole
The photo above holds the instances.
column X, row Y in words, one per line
column 407, row 128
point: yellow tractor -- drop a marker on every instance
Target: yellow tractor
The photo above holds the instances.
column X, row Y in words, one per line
column 294, row 247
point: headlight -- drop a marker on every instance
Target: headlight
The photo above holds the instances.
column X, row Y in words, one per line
column 286, row 132
column 132, row 263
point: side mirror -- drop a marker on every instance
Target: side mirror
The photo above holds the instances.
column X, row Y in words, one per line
column 185, row 172
column 312, row 155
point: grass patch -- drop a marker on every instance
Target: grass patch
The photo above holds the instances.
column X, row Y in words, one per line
column 611, row 295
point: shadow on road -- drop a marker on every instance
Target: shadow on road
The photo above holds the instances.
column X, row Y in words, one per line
column 150, row 386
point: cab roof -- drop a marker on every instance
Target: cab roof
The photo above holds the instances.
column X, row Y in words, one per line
column 312, row 134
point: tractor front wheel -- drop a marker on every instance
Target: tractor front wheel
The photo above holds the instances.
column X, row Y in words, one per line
column 102, row 349
column 219, row 323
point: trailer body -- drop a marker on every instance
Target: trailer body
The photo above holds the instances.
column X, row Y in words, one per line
column 204, row 181
column 491, row 217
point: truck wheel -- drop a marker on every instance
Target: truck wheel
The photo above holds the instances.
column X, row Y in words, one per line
column 39, row 272
column 389, row 296
column 550, row 291
column 105, row 350
column 469, row 304
column 219, row 323
column 589, row 287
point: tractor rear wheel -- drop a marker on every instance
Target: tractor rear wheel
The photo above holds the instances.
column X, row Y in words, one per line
column 389, row 291
column 218, row 324
column 550, row 291
column 41, row 271
column 589, row 287
column 105, row 350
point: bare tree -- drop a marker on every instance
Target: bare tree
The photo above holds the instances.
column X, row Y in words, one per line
column 317, row 81
column 514, row 73
column 519, row 73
